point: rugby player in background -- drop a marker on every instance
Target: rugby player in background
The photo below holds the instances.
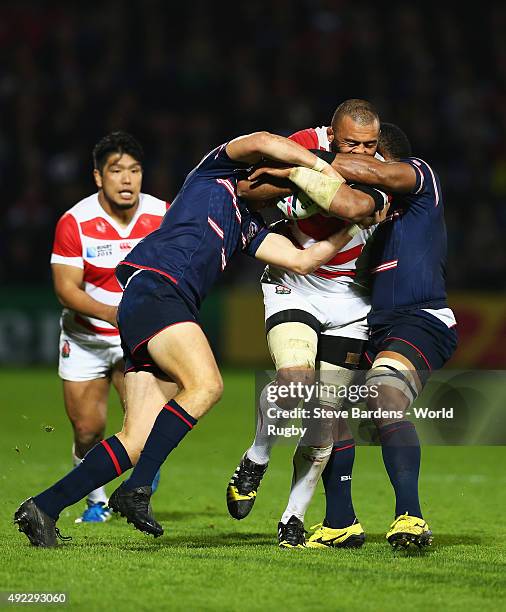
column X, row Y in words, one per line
column 317, row 321
column 165, row 279
column 412, row 329
column 91, row 238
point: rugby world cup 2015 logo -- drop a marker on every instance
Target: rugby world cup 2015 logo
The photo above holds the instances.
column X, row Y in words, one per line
column 65, row 349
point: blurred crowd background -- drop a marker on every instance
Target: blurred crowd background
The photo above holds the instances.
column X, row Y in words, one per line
column 183, row 78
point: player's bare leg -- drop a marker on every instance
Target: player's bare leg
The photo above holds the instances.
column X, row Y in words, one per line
column 144, row 393
column 118, row 380
column 183, row 353
column 400, row 384
column 86, row 406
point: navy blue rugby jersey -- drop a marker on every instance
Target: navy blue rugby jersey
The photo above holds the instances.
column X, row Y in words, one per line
column 204, row 227
column 408, row 254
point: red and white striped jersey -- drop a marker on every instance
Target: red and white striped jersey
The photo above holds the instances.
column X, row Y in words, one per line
column 87, row 237
column 318, row 227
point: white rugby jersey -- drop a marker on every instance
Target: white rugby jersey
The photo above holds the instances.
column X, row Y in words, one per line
column 87, row 237
column 338, row 273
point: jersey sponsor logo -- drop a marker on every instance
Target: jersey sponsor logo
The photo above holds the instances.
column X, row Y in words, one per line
column 253, row 230
column 125, row 246
column 65, row 349
column 282, row 290
column 102, row 250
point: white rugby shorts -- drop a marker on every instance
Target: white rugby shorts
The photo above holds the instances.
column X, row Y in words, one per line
column 342, row 314
column 82, row 359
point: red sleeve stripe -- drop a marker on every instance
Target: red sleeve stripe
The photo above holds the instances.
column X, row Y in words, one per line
column 215, row 227
column 230, row 188
column 434, row 184
column 388, row 265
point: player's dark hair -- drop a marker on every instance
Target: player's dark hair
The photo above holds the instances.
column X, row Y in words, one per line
column 393, row 142
column 361, row 111
column 116, row 142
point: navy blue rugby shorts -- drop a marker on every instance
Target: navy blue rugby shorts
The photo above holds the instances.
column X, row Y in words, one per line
column 417, row 335
column 150, row 304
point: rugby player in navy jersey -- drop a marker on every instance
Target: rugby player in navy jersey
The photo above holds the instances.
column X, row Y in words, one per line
column 165, row 278
column 412, row 329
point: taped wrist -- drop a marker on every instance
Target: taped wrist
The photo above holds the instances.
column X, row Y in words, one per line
column 353, row 230
column 319, row 165
column 380, row 198
column 319, row 187
column 327, row 156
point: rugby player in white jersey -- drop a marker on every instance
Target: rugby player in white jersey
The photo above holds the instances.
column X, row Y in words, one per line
column 91, row 238
column 313, row 322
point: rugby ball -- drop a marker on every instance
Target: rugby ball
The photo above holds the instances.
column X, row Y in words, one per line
column 298, row 205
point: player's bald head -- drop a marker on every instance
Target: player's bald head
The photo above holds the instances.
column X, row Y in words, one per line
column 355, row 127
column 360, row 111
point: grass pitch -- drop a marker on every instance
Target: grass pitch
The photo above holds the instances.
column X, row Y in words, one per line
column 208, row 561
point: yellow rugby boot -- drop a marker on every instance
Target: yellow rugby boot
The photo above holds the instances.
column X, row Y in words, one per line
column 407, row 531
column 352, row 536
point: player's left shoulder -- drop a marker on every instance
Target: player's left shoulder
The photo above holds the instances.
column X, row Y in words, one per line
column 152, row 205
column 427, row 179
column 422, row 166
column 313, row 138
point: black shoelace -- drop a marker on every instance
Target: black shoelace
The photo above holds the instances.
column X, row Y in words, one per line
column 62, row 537
column 294, row 533
column 252, row 477
column 142, row 500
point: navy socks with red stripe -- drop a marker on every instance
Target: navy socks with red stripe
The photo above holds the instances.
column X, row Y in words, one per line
column 103, row 463
column 401, row 454
column 170, row 427
column 337, row 483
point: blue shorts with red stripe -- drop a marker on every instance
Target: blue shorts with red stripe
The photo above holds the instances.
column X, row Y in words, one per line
column 150, row 304
column 417, row 335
